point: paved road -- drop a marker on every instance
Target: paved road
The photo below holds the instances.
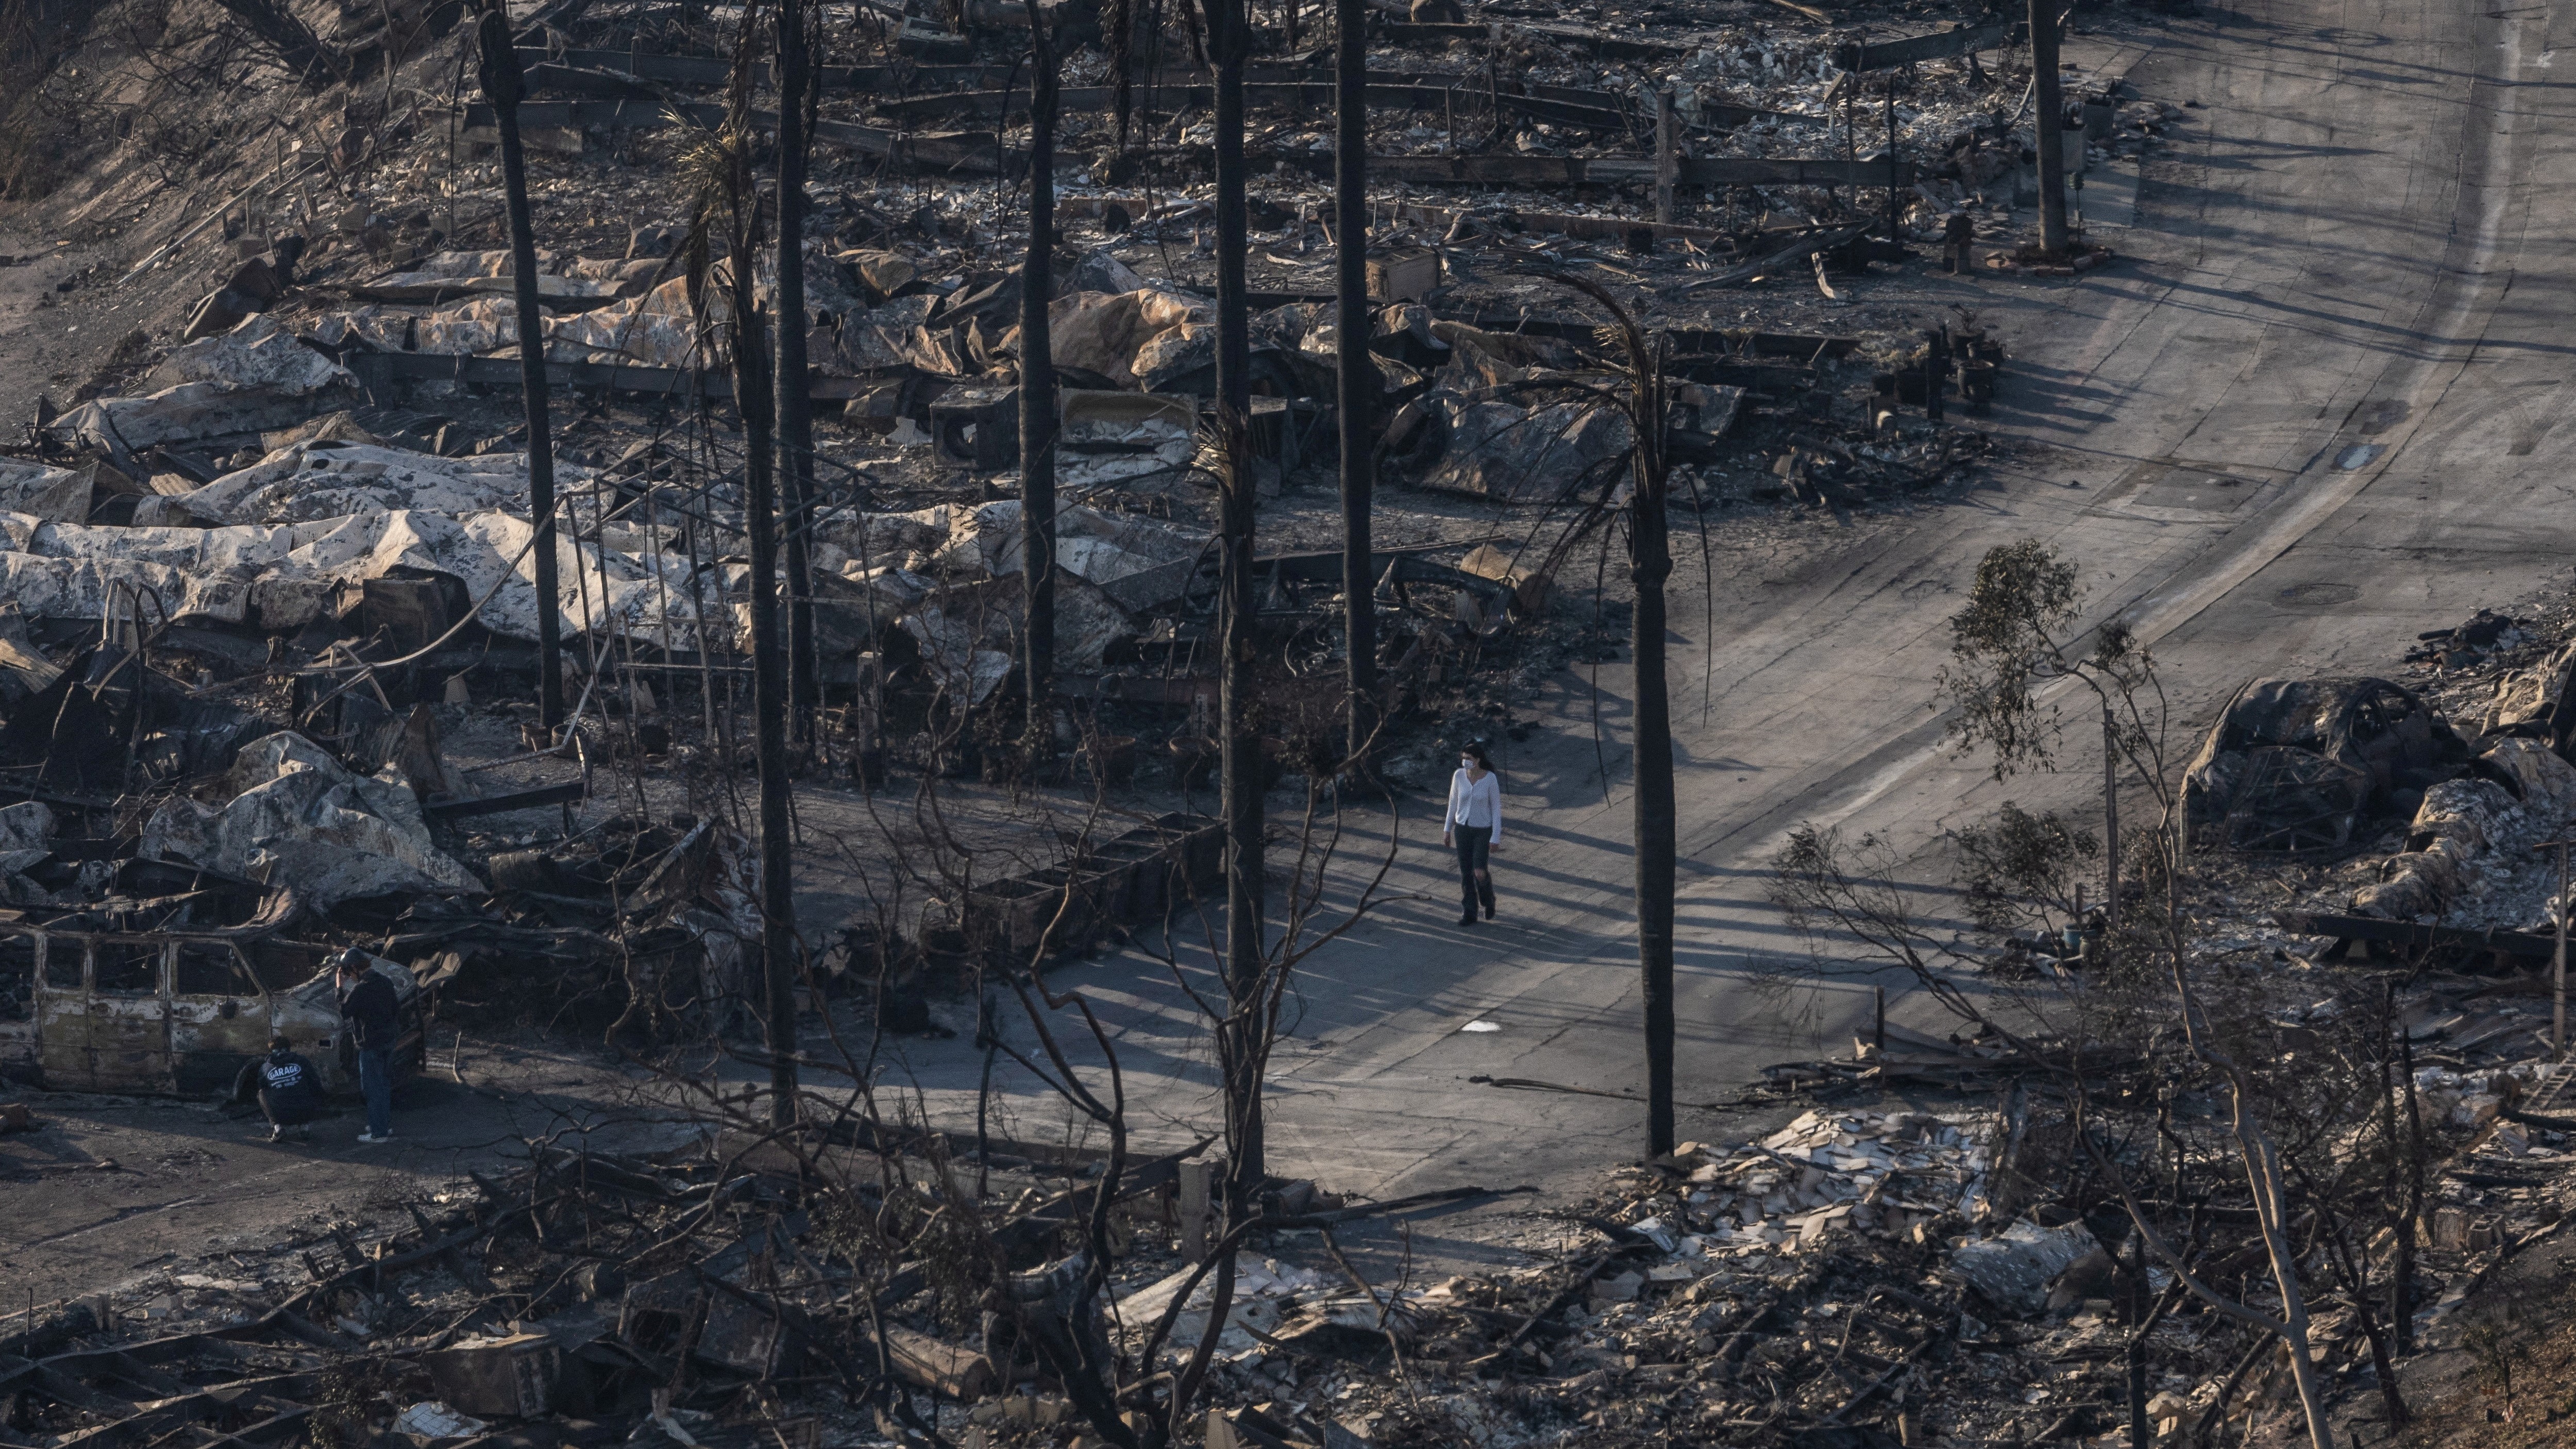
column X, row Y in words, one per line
column 2313, row 416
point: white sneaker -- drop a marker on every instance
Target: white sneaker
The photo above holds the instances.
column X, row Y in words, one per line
column 276, row 1133
column 371, row 1138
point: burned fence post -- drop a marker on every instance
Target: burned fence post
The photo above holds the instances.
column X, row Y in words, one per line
column 503, row 85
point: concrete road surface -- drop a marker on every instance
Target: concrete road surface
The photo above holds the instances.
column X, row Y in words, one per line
column 2315, row 411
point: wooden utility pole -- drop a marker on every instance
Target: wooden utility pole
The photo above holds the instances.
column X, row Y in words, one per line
column 1357, row 394
column 2049, row 122
column 796, row 93
column 503, row 85
column 1239, row 1038
column 1038, row 401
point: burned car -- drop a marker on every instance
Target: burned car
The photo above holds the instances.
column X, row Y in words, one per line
column 176, row 1011
column 2295, row 764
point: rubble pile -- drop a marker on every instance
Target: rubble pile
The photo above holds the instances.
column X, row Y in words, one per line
column 1943, row 1276
column 287, row 511
column 2415, row 821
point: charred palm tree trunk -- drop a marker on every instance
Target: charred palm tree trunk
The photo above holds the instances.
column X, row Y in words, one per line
column 752, row 386
column 1650, row 564
column 1358, row 389
column 503, row 85
column 795, row 400
column 1239, row 748
column 2049, row 125
column 1037, row 398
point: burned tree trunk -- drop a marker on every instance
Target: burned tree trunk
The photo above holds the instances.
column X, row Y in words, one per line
column 795, row 402
column 1037, row 399
column 2049, row 124
column 2409, row 1176
column 752, row 385
column 1650, row 563
column 503, row 85
column 1239, row 1037
column 1358, row 388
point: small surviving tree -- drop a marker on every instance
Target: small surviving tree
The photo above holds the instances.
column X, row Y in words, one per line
column 2016, row 636
column 2015, row 873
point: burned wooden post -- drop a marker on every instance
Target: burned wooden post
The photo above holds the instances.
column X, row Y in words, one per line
column 503, row 86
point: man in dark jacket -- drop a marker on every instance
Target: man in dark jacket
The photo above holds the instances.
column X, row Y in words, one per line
column 367, row 1013
column 287, row 1088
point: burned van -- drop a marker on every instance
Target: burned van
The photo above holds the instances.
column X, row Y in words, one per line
column 174, row 1011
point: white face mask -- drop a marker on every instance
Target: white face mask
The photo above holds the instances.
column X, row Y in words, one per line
column 1466, row 764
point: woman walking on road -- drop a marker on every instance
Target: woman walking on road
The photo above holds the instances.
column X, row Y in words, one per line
column 1474, row 825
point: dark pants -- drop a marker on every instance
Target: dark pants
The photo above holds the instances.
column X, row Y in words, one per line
column 376, row 1083
column 1475, row 882
column 294, row 1111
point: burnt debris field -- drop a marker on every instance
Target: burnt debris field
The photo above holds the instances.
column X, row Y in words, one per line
column 852, row 622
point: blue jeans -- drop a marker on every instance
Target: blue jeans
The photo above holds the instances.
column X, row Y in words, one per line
column 376, row 1080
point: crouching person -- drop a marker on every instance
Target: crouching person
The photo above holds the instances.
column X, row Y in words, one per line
column 289, row 1091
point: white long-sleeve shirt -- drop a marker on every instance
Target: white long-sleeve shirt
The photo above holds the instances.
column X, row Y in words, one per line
column 1476, row 802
